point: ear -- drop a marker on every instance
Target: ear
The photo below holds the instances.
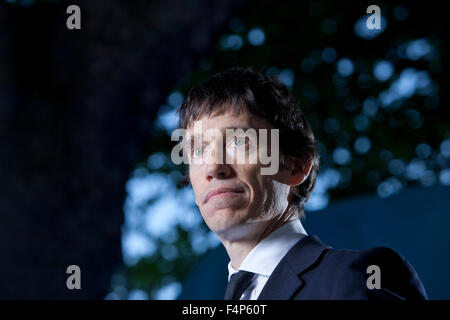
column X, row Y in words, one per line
column 298, row 170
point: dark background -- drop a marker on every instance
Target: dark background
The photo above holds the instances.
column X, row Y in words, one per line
column 86, row 117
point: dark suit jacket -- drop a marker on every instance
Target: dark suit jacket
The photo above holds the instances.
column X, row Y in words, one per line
column 312, row 270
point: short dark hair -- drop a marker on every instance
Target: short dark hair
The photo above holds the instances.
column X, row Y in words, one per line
column 266, row 97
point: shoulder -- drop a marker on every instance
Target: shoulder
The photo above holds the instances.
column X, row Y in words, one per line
column 375, row 273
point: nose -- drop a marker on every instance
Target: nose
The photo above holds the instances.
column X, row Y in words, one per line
column 214, row 162
column 217, row 171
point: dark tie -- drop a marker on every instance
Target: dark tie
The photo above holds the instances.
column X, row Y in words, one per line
column 237, row 285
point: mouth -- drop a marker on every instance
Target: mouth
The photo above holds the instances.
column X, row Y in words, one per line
column 221, row 191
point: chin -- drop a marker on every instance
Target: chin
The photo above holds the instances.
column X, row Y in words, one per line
column 223, row 219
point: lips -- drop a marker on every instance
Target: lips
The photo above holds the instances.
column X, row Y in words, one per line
column 221, row 190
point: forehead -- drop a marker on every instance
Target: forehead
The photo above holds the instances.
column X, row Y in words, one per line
column 230, row 119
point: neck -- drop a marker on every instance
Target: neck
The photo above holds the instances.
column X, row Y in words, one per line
column 240, row 240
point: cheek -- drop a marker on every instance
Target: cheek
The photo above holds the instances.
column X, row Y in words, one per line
column 261, row 193
column 195, row 183
column 275, row 197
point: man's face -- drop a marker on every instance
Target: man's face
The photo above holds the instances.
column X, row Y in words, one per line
column 250, row 197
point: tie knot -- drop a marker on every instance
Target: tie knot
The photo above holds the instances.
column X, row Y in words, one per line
column 237, row 285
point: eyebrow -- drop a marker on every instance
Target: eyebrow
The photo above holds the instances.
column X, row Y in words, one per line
column 243, row 128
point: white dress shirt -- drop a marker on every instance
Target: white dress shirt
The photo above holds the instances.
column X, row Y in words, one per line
column 264, row 258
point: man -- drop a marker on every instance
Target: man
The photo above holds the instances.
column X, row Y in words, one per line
column 256, row 216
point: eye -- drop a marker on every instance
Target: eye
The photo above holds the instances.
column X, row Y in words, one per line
column 238, row 141
column 197, row 152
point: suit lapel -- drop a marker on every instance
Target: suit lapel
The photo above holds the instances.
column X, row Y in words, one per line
column 286, row 279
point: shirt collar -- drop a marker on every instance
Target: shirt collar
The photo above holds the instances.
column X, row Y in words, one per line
column 267, row 254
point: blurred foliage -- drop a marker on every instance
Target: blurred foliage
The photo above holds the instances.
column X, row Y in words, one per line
column 376, row 103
